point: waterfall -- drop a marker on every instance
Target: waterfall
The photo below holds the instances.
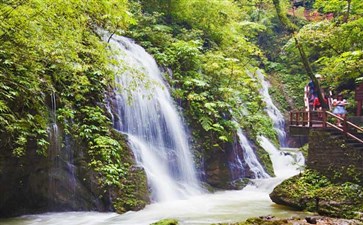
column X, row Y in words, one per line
column 62, row 172
column 286, row 162
column 53, row 128
column 272, row 111
column 54, row 149
column 244, row 155
column 54, row 134
column 149, row 117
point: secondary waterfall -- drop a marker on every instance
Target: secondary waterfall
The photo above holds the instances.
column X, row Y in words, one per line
column 54, row 149
column 150, row 119
column 273, row 112
column 243, row 158
column 286, row 162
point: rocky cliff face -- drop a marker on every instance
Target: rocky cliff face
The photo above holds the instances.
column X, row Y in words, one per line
column 222, row 170
column 63, row 181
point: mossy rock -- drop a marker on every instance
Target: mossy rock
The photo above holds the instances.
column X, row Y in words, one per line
column 265, row 160
column 166, row 222
column 258, row 221
column 314, row 192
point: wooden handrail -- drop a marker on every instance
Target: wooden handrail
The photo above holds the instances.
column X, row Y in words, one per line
column 305, row 119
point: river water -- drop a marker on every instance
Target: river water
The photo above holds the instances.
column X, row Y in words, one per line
column 225, row 206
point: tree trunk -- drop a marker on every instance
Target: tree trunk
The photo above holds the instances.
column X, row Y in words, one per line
column 346, row 16
column 310, row 72
column 292, row 28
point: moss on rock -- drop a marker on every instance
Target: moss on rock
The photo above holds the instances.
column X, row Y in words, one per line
column 270, row 220
column 132, row 192
column 265, row 160
column 166, row 222
column 314, row 192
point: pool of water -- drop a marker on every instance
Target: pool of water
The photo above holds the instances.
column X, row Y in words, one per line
column 224, row 206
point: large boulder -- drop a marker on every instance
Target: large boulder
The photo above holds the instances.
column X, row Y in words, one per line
column 64, row 181
column 314, row 192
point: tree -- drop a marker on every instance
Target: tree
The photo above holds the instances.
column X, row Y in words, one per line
column 342, row 9
column 49, row 46
column 292, row 28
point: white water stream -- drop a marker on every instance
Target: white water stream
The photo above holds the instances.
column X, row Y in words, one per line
column 272, row 111
column 249, row 157
column 156, row 133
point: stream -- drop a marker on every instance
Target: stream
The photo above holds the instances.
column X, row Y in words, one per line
column 224, row 206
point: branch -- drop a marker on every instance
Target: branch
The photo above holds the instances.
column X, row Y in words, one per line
column 108, row 41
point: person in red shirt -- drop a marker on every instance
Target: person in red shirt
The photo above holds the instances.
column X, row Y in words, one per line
column 317, row 105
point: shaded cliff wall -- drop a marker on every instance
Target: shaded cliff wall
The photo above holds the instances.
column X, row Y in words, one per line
column 36, row 184
column 222, row 171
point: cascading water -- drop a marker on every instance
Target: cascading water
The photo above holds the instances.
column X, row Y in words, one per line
column 53, row 130
column 273, row 112
column 155, row 130
column 54, row 148
column 286, row 163
column 62, row 173
column 243, row 158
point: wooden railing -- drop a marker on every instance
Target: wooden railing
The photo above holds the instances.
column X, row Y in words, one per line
column 324, row 119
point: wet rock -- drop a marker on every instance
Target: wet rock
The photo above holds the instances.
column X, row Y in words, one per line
column 312, row 219
column 166, row 222
column 296, row 221
column 58, row 182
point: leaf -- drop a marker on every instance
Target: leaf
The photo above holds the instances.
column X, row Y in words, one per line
column 223, row 138
column 206, row 123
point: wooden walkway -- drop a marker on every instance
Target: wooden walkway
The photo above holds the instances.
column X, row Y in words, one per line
column 306, row 120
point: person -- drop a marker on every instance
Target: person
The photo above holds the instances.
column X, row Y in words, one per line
column 311, row 92
column 339, row 110
column 317, row 105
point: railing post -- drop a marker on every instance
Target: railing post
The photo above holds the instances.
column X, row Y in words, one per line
column 345, row 126
column 324, row 118
column 305, row 118
column 297, row 118
column 310, row 118
column 291, row 117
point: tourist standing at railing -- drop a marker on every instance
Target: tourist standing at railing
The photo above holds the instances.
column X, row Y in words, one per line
column 317, row 105
column 339, row 110
column 311, row 92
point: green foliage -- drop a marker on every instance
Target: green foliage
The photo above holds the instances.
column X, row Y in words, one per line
column 46, row 46
column 339, row 8
column 51, row 47
column 211, row 17
column 209, row 51
column 333, row 48
column 105, row 151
